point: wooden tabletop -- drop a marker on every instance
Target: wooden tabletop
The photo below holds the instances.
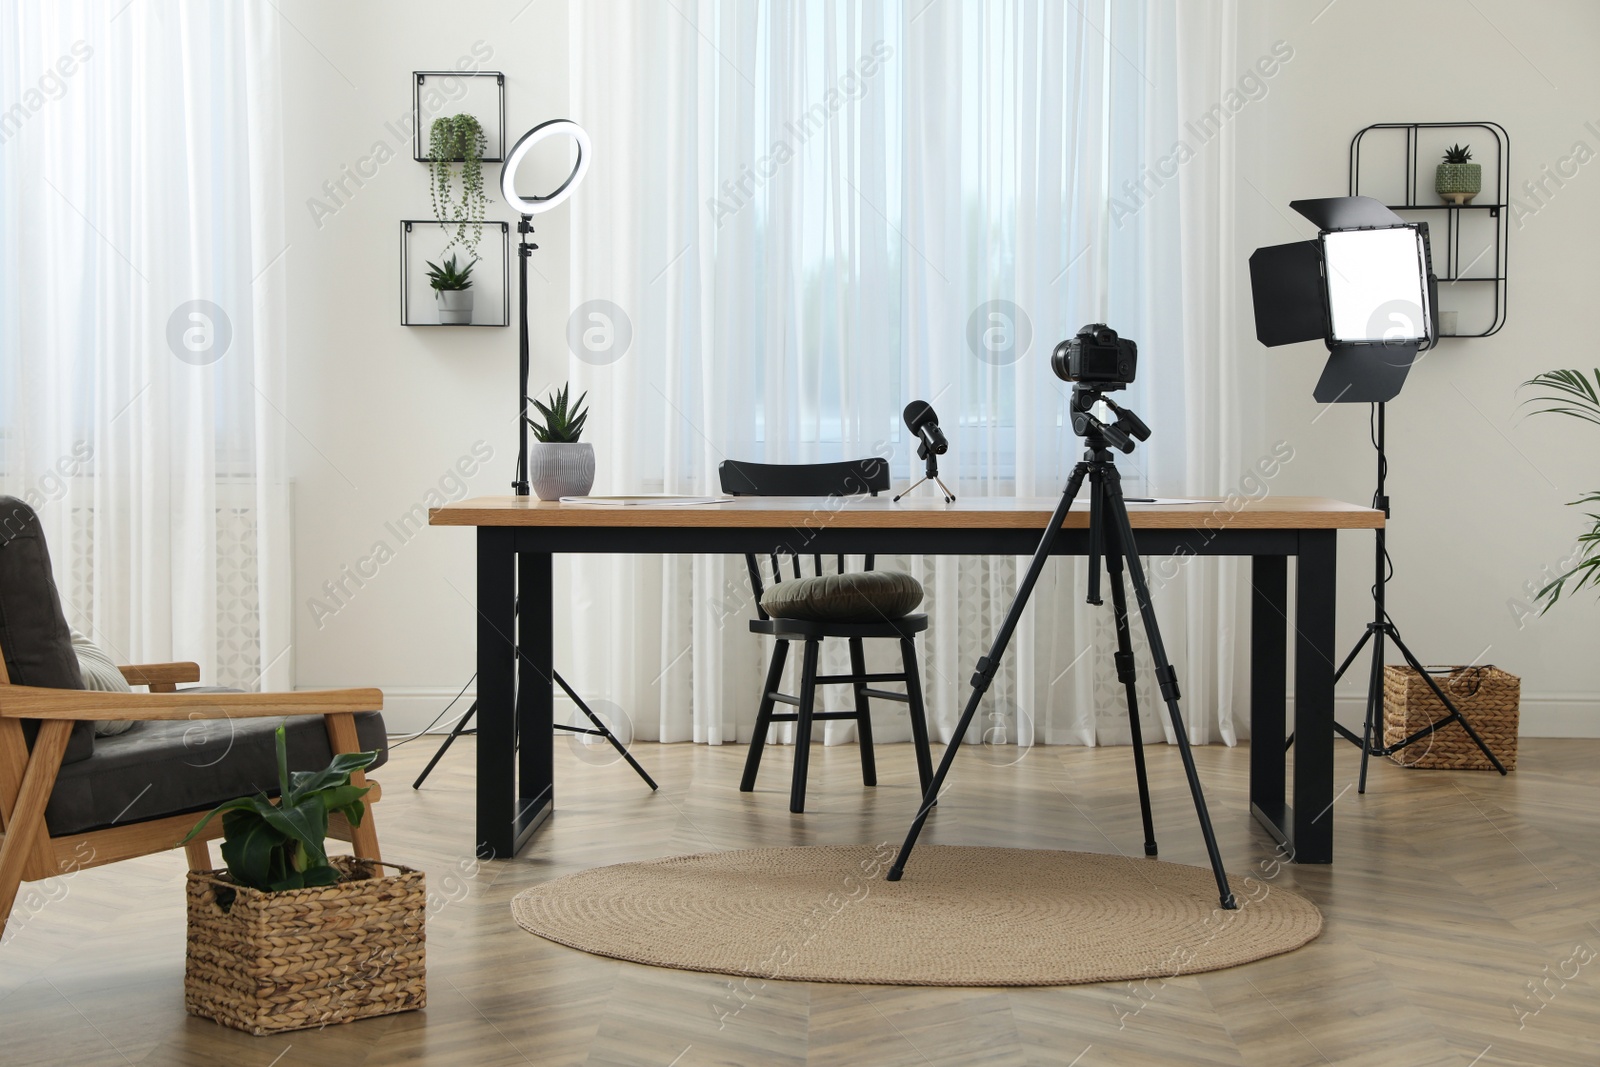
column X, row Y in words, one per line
column 881, row 512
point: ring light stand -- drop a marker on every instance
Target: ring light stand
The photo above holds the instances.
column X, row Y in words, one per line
column 528, row 207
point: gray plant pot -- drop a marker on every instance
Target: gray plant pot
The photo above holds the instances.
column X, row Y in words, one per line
column 559, row 469
column 455, row 306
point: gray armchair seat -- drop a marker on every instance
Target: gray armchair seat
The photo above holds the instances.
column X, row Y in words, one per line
column 174, row 767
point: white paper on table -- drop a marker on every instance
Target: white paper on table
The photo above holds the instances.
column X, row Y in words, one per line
column 657, row 500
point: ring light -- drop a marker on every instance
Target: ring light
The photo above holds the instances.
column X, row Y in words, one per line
column 533, row 205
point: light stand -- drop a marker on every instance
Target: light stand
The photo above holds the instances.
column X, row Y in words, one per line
column 1115, row 543
column 530, row 206
column 525, row 249
column 1366, row 288
column 1382, row 628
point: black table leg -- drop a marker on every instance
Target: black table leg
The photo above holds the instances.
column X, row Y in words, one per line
column 1269, row 628
column 1314, row 663
column 535, row 695
column 497, row 772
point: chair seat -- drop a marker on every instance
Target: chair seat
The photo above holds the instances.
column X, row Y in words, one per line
column 805, row 629
column 169, row 767
column 861, row 596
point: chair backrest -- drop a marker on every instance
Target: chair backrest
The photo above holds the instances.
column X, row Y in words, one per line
column 850, row 477
column 35, row 641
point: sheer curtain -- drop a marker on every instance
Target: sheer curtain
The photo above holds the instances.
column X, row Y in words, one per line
column 807, row 215
column 141, row 304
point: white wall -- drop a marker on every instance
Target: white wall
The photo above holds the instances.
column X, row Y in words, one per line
column 1478, row 491
column 381, row 413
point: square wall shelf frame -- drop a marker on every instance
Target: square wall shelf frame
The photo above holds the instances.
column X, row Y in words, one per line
column 419, row 78
column 1491, row 277
column 406, row 228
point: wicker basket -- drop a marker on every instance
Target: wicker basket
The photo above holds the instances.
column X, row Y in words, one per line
column 1487, row 696
column 267, row 962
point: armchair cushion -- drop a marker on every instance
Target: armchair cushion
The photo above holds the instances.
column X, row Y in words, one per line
column 176, row 766
column 100, row 673
column 33, row 630
column 863, row 596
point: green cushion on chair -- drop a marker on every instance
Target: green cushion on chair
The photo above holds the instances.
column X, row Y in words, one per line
column 865, row 596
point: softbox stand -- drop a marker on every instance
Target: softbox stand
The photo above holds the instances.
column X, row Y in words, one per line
column 1380, row 630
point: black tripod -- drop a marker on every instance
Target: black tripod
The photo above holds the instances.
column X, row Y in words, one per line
column 1115, row 543
column 1382, row 628
column 600, row 730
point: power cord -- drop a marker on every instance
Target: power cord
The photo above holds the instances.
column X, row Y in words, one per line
column 442, row 714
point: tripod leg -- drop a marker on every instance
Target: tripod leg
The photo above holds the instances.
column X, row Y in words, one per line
column 1167, row 678
column 1455, row 712
column 989, row 664
column 1354, row 652
column 605, row 731
column 455, row 731
column 910, row 487
column 1129, row 680
column 1369, row 728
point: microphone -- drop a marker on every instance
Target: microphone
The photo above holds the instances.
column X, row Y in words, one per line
column 931, row 443
column 922, row 421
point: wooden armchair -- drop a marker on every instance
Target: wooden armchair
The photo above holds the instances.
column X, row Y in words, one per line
column 141, row 792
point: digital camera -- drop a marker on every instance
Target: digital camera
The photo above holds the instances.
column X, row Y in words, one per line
column 1096, row 356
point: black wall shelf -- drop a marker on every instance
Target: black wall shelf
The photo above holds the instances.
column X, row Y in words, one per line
column 1486, row 281
column 419, row 132
column 415, row 277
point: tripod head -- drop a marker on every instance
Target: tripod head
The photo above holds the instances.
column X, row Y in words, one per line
column 1097, row 433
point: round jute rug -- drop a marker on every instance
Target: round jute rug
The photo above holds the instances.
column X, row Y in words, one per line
column 960, row 917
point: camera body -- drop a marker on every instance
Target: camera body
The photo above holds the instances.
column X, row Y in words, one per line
column 1096, row 357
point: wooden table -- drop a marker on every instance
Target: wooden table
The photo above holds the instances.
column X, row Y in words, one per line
column 518, row 536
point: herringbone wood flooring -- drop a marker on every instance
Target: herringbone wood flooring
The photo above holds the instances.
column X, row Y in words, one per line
column 1462, row 928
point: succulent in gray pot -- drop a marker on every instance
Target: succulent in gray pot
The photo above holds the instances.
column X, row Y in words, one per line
column 452, row 288
column 1457, row 180
column 558, row 463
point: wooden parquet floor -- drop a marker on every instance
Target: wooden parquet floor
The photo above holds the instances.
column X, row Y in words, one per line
column 1463, row 928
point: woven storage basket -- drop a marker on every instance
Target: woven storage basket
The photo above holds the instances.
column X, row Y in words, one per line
column 1487, row 696
column 266, row 962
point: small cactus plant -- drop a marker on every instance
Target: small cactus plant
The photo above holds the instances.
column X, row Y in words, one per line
column 563, row 422
column 1458, row 180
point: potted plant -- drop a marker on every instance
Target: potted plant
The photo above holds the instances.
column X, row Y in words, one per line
column 1457, row 180
column 288, row 937
column 458, row 140
column 558, row 463
column 1568, row 392
column 452, row 288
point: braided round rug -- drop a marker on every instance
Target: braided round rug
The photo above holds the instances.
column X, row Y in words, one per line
column 961, row 916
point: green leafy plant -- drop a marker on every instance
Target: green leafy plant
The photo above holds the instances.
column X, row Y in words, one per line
column 1458, row 154
column 562, row 422
column 1570, row 393
column 450, row 276
column 273, row 847
column 458, row 140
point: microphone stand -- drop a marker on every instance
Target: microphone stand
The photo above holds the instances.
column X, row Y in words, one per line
column 932, row 472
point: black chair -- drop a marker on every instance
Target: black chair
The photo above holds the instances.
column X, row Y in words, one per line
column 821, row 480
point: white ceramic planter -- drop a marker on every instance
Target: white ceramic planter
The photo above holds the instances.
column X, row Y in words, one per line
column 455, row 306
column 559, row 469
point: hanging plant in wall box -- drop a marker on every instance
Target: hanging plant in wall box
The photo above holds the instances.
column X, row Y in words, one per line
column 458, row 141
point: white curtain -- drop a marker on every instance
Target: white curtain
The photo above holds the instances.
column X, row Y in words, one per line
column 805, row 215
column 141, row 310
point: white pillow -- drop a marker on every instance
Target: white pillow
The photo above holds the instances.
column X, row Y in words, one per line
column 101, row 675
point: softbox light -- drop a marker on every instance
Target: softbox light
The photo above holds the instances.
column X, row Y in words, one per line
column 1365, row 287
